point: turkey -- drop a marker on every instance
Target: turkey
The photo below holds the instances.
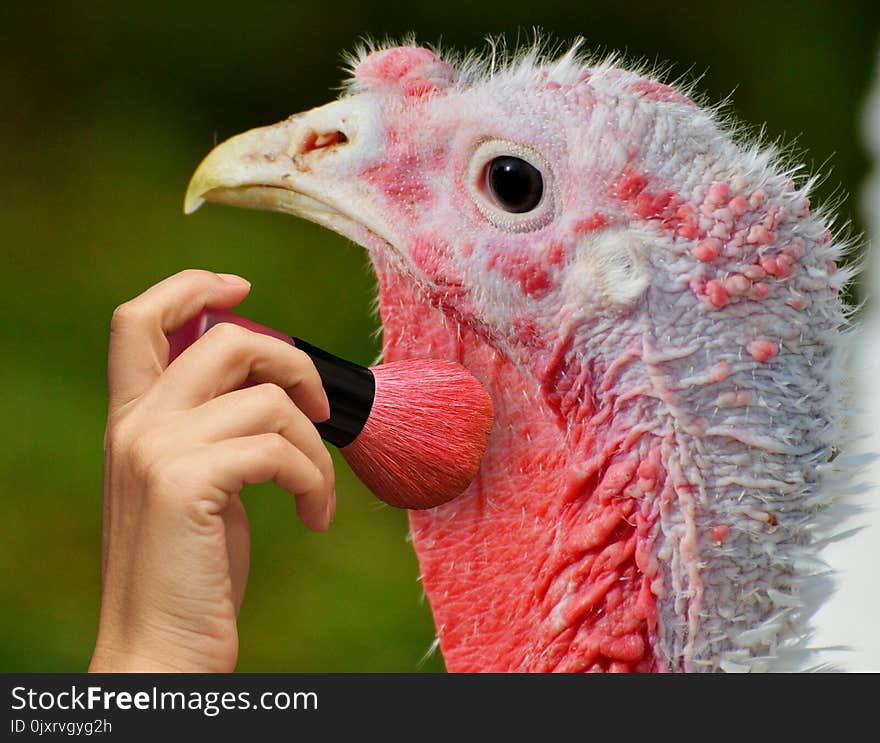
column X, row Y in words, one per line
column 656, row 311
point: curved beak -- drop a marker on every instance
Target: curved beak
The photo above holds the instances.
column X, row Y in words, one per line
column 238, row 169
column 306, row 165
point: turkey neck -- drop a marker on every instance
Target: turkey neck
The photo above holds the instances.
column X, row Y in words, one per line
column 544, row 563
column 642, row 506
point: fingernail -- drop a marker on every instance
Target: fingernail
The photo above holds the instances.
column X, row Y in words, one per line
column 231, row 278
column 327, row 406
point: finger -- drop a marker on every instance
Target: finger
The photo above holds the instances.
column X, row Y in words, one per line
column 138, row 344
column 227, row 356
column 265, row 408
column 269, row 456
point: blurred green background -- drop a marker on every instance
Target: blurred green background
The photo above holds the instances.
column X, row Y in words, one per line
column 106, row 110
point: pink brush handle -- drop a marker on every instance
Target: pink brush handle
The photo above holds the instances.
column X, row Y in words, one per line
column 194, row 329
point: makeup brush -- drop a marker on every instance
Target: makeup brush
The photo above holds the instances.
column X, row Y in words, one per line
column 414, row 431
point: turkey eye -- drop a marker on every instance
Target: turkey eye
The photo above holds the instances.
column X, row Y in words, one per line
column 517, row 186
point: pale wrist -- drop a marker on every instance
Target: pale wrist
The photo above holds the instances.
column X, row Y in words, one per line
column 107, row 660
column 154, row 656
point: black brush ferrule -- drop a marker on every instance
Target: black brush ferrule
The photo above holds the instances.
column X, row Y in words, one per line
column 351, row 389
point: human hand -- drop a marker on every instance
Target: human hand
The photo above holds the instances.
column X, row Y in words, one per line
column 182, row 439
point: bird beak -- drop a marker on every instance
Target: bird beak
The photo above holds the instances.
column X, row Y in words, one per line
column 242, row 171
column 306, row 165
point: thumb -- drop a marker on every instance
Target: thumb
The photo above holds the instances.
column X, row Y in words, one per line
column 139, row 347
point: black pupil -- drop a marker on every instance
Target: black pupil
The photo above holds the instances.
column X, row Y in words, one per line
column 516, row 185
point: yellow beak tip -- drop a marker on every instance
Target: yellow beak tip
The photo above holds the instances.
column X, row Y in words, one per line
column 191, row 203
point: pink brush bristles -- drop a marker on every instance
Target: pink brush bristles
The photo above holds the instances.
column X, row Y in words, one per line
column 426, row 433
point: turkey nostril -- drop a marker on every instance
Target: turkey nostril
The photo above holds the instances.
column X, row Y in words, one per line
column 320, row 141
